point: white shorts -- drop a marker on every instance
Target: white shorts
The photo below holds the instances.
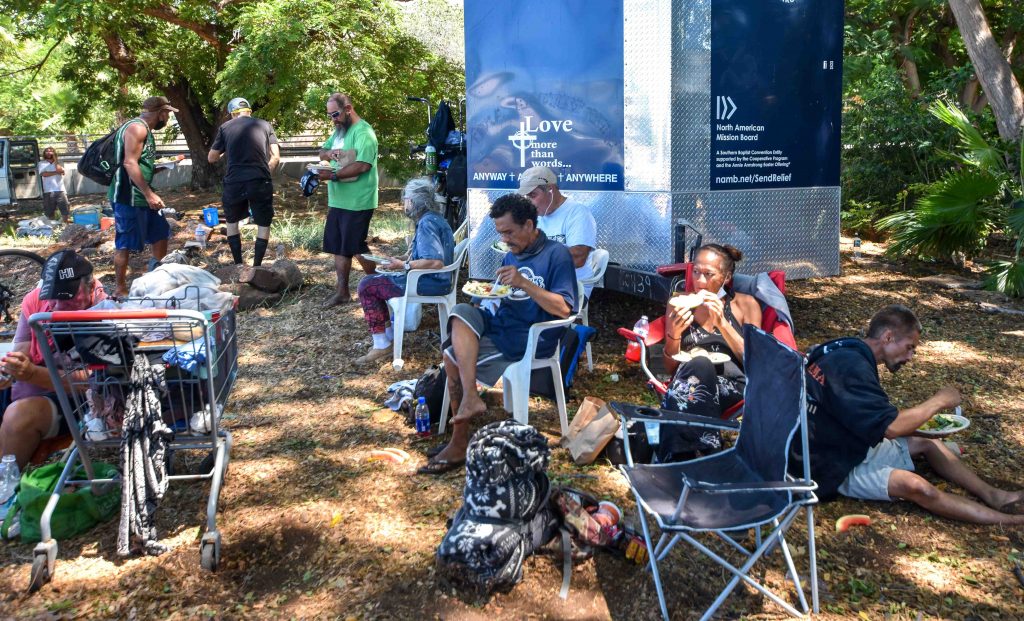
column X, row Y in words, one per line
column 870, row 479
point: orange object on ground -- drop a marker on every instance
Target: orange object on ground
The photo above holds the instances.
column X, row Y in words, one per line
column 106, row 222
column 844, row 523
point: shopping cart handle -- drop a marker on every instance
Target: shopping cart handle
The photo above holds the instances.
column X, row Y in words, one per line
column 103, row 315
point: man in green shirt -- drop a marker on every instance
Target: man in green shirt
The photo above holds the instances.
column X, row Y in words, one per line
column 137, row 218
column 351, row 191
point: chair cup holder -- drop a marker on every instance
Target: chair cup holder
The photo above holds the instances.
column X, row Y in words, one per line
column 648, row 411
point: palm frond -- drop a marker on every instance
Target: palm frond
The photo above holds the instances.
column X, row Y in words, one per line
column 1006, row 277
column 956, row 215
column 978, row 152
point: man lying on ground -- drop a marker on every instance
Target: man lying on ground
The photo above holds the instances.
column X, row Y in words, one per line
column 542, row 276
column 863, row 447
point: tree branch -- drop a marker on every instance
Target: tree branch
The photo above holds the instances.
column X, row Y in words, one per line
column 37, row 66
column 206, row 32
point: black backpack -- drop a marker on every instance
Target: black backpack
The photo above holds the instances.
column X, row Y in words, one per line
column 98, row 163
column 457, row 176
column 431, row 386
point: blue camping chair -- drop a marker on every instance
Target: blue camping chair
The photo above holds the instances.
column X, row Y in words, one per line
column 742, row 488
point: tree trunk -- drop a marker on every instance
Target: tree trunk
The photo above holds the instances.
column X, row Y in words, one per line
column 993, row 70
column 909, row 66
column 197, row 129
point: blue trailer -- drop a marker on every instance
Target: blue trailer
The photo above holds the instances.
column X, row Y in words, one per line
column 667, row 118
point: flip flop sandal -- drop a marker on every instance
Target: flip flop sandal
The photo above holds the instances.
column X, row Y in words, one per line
column 1013, row 508
column 440, row 466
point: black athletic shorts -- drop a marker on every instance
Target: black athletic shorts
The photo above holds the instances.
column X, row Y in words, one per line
column 345, row 231
column 255, row 197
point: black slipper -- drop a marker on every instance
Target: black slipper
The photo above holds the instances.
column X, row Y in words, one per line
column 440, row 466
column 1015, row 507
column 436, row 450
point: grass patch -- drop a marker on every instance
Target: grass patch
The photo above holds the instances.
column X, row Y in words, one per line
column 307, row 231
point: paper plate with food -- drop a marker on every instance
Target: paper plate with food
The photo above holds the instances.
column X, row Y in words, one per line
column 169, row 161
column 483, row 289
column 321, row 165
column 942, row 425
column 376, row 258
column 388, row 271
column 716, row 357
column 500, row 247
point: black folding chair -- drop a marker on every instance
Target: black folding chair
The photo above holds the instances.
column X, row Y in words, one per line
column 742, row 488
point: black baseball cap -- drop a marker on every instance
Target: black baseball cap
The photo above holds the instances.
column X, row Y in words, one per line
column 62, row 275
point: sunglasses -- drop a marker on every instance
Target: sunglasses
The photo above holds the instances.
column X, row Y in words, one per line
column 335, row 114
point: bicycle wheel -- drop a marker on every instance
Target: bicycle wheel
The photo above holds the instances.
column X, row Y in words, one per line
column 20, row 271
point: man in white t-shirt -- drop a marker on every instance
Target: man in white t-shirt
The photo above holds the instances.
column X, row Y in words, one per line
column 562, row 219
column 54, row 196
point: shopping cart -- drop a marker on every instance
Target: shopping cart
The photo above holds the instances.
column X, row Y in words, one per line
column 90, row 361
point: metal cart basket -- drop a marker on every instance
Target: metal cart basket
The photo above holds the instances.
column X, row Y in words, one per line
column 90, row 358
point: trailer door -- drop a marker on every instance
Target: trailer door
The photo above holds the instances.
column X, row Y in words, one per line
column 5, row 175
column 23, row 157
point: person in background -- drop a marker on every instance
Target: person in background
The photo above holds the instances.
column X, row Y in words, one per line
column 137, row 217
column 862, row 446
column 711, row 319
column 54, row 196
column 351, row 191
column 252, row 154
column 433, row 247
column 34, row 413
column 562, row 219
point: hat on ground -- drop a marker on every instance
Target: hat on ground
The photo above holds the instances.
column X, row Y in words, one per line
column 156, row 104
column 309, row 182
column 62, row 275
column 238, row 104
column 534, row 177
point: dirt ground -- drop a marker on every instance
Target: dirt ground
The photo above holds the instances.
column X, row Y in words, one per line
column 312, row 530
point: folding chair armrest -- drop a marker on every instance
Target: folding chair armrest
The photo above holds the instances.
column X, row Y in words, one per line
column 538, row 328
column 763, row 486
column 656, row 415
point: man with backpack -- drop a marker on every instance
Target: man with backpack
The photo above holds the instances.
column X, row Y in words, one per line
column 252, row 153
column 137, row 217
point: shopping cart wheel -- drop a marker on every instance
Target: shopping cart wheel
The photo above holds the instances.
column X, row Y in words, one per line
column 209, row 551
column 40, row 573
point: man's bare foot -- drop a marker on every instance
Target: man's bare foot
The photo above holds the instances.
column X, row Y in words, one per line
column 451, row 454
column 337, row 299
column 471, row 405
column 1009, row 502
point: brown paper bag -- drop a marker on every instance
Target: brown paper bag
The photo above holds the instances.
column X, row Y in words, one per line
column 592, row 428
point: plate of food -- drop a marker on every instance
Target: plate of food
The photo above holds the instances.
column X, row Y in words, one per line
column 716, row 357
column 388, row 271
column 483, row 289
column 169, row 161
column 375, row 258
column 321, row 165
column 942, row 425
column 500, row 247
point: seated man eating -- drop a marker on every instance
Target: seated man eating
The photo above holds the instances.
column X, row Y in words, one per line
column 542, row 276
column 34, row 413
column 862, row 446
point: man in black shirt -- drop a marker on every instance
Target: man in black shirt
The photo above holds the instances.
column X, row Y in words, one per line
column 862, row 446
column 252, row 152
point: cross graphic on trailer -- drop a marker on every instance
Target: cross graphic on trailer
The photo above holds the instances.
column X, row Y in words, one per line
column 522, row 140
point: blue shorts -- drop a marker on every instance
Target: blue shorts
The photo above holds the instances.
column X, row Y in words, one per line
column 134, row 227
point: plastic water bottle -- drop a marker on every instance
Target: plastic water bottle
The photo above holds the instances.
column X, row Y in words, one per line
column 422, row 418
column 641, row 328
column 431, row 160
column 201, row 233
column 856, row 247
column 9, row 478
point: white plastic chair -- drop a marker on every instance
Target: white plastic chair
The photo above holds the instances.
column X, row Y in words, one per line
column 445, row 303
column 598, row 264
column 515, row 381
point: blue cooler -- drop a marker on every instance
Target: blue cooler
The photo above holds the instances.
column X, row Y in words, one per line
column 88, row 216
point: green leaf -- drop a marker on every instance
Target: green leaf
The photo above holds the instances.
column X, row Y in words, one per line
column 978, row 151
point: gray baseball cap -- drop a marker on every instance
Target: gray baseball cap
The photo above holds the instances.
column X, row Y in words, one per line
column 534, row 177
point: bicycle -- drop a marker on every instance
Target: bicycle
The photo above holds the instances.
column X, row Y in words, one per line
column 20, row 272
column 449, row 140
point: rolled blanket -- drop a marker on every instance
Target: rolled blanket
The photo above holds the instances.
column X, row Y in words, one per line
column 501, row 451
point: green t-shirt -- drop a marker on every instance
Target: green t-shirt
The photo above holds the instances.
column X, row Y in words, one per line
column 360, row 194
column 122, row 190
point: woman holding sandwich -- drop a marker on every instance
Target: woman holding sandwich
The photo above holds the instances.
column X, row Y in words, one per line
column 701, row 329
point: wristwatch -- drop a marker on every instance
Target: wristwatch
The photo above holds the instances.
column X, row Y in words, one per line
column 334, row 176
column 408, row 266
